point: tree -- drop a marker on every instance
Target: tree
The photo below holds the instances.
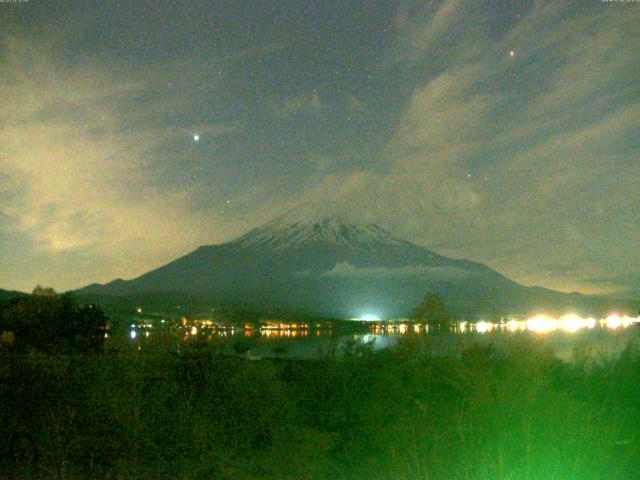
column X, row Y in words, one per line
column 432, row 311
column 53, row 323
column 44, row 291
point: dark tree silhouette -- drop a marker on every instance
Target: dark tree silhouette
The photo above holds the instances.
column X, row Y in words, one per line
column 432, row 311
column 52, row 323
column 44, row 291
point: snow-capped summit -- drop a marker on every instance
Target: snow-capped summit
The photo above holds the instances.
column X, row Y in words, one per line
column 313, row 224
column 312, row 212
column 320, row 259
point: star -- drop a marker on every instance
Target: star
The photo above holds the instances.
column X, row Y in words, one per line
column 196, row 137
column 512, row 53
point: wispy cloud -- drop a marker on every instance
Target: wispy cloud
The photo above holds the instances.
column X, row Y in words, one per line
column 344, row 269
column 519, row 150
column 299, row 103
column 74, row 170
column 516, row 144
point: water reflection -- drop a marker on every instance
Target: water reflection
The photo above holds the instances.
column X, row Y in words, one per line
column 539, row 324
column 310, row 340
column 544, row 324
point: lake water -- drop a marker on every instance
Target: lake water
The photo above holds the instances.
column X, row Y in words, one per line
column 568, row 337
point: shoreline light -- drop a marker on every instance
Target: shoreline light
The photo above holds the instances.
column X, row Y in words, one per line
column 542, row 324
column 572, row 323
column 569, row 323
column 484, row 327
column 615, row 321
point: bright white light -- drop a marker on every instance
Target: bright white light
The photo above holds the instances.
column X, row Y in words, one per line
column 139, row 310
column 133, row 334
column 194, row 331
column 512, row 53
column 572, row 323
column 484, row 327
column 369, row 317
column 196, row 137
column 542, row 324
column 615, row 321
column 569, row 323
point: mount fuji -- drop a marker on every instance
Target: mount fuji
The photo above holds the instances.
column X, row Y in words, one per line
column 326, row 263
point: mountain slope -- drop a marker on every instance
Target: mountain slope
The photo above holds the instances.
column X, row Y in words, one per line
column 9, row 294
column 330, row 264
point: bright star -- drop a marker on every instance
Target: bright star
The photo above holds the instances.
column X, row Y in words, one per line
column 196, row 138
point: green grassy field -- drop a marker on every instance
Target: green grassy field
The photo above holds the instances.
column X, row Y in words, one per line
column 402, row 413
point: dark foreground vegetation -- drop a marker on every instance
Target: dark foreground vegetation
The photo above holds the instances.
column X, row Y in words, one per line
column 47, row 322
column 401, row 413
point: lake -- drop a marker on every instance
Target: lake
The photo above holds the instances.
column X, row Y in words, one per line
column 568, row 337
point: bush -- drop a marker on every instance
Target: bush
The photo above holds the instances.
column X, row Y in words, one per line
column 408, row 412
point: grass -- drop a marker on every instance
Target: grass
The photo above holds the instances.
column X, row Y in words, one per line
column 403, row 413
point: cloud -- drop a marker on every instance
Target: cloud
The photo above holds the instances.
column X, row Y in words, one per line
column 74, row 172
column 520, row 161
column 523, row 161
column 299, row 103
column 623, row 286
column 423, row 25
column 345, row 269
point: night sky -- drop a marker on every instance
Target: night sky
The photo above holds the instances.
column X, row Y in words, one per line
column 502, row 132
